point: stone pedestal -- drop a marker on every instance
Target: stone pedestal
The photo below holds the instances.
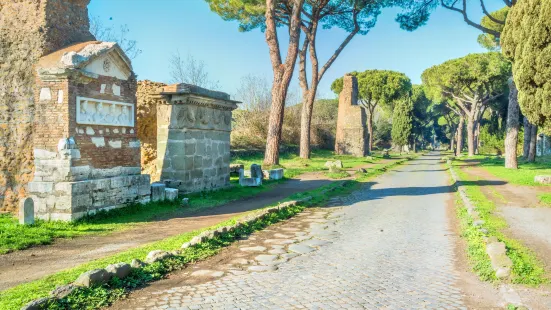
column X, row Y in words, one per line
column 193, row 138
column 352, row 136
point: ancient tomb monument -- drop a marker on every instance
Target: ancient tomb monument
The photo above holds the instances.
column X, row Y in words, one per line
column 86, row 150
column 352, row 136
column 193, row 138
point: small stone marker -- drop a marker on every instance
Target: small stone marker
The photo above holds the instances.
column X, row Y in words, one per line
column 276, row 174
column 171, row 194
column 26, row 211
column 158, row 191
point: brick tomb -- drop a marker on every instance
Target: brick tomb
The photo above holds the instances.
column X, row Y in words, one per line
column 86, row 151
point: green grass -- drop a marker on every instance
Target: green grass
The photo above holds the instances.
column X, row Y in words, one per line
column 527, row 269
column 20, row 295
column 16, row 237
column 337, row 175
column 545, row 199
column 522, row 176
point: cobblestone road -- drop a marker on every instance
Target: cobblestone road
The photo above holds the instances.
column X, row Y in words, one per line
column 388, row 249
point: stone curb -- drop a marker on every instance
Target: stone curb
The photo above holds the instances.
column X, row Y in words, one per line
column 100, row 276
column 501, row 263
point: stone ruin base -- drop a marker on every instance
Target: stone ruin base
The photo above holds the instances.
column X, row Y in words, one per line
column 68, row 201
column 88, row 191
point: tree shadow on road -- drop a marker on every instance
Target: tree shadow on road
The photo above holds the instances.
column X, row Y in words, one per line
column 381, row 193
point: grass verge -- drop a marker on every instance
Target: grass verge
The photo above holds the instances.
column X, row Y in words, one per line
column 527, row 269
column 16, row 297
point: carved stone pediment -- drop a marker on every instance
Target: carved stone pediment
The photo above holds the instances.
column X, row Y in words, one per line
column 91, row 59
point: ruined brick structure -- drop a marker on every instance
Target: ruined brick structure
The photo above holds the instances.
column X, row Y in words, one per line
column 148, row 96
column 87, row 155
column 352, row 136
column 29, row 29
column 193, row 138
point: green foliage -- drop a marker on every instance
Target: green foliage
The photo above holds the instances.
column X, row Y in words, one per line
column 337, row 175
column 378, row 87
column 423, row 120
column 491, row 143
column 250, row 13
column 382, row 133
column 475, row 75
column 402, row 122
column 526, row 39
column 489, row 41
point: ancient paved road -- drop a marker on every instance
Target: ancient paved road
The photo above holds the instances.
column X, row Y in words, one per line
column 391, row 250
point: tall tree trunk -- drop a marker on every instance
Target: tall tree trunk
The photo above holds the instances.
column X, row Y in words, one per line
column 470, row 135
column 306, row 123
column 533, row 143
column 283, row 72
column 527, row 135
column 477, row 137
column 370, row 130
column 511, row 139
column 452, row 142
column 460, row 136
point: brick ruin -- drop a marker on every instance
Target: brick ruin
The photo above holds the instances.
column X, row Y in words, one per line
column 352, row 136
column 29, row 29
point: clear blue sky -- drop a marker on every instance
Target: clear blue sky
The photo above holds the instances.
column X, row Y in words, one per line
column 163, row 26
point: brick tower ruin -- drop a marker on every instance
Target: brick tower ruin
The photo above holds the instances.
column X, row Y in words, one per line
column 352, row 135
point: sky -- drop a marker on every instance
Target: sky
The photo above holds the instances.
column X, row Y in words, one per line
column 162, row 27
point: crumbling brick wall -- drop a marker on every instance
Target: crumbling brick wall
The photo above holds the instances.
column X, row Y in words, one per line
column 147, row 98
column 29, row 29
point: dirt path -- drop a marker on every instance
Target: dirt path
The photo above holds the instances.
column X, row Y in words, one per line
column 37, row 262
column 529, row 220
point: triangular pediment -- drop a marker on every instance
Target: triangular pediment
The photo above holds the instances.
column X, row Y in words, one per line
column 109, row 64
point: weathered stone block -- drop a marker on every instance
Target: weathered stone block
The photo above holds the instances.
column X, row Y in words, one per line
column 93, row 277
column 158, row 192
column 276, row 174
column 120, row 270
column 542, row 179
column 156, row 255
column 171, row 194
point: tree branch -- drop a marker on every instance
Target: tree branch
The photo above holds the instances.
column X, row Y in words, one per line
column 337, row 52
column 463, row 12
column 495, row 20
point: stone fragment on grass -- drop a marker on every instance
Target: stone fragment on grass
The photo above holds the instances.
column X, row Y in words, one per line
column 171, row 194
column 157, row 255
column 186, row 245
column 120, row 270
column 542, row 179
column 63, row 291
column 37, row 304
column 136, row 263
column 478, row 223
column 185, row 202
column 501, row 264
column 93, row 277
